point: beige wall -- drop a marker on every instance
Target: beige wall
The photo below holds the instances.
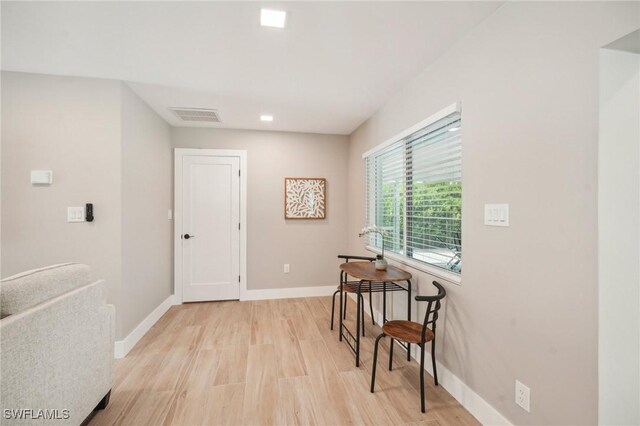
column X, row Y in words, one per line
column 107, row 147
column 310, row 247
column 619, row 237
column 527, row 307
column 71, row 126
column 147, row 195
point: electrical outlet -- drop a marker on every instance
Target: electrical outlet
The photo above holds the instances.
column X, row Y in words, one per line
column 523, row 394
column 286, row 268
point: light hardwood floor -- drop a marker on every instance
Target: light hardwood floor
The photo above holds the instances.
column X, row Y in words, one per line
column 272, row 362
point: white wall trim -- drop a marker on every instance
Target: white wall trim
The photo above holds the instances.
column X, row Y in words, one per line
column 471, row 401
column 179, row 153
column 122, row 347
column 288, row 293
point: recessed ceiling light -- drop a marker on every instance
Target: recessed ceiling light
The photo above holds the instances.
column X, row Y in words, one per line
column 266, row 117
column 273, row 18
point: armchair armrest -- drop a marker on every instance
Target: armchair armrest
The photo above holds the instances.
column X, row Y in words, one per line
column 23, row 291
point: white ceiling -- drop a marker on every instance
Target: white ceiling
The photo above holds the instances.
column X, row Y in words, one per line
column 333, row 66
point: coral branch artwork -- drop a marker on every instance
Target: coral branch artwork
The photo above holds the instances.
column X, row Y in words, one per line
column 305, row 198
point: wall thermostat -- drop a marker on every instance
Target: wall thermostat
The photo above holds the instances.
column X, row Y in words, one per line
column 41, row 177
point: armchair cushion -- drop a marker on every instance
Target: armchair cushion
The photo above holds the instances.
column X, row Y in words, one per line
column 22, row 291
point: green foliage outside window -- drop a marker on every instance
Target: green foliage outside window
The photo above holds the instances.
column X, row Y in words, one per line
column 437, row 215
column 435, row 220
column 393, row 216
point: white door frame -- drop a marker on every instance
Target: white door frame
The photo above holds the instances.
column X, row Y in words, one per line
column 179, row 153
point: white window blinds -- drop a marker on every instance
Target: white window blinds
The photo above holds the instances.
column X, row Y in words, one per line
column 414, row 192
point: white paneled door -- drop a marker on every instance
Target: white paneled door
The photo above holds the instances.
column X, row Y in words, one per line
column 210, row 227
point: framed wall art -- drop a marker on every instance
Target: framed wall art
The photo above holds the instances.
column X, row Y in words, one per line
column 305, row 198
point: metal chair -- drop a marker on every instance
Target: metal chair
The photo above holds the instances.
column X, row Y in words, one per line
column 413, row 332
column 352, row 287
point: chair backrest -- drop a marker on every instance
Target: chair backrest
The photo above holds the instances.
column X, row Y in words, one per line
column 433, row 306
column 347, row 258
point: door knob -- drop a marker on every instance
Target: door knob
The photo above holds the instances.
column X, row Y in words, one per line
column 187, row 236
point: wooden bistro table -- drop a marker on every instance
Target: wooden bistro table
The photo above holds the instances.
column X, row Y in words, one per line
column 371, row 280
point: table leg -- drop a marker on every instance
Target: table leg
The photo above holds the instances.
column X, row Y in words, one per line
column 358, row 307
column 340, row 309
column 409, row 316
column 373, row 321
column 384, row 303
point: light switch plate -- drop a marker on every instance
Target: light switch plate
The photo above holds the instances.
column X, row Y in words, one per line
column 523, row 396
column 496, row 214
column 75, row 214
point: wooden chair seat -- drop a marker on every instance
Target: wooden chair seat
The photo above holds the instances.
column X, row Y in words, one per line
column 407, row 331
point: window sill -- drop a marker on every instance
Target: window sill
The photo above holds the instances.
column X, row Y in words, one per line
column 420, row 266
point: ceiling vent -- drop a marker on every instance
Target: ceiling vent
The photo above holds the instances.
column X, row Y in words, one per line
column 197, row 115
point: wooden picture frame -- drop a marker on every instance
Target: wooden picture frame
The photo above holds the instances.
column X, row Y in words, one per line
column 305, row 198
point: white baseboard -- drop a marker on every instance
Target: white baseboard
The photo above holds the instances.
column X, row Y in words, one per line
column 288, row 293
column 122, row 347
column 471, row 401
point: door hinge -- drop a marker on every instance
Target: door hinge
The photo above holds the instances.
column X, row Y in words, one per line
column 238, row 278
column 238, row 173
column 238, row 225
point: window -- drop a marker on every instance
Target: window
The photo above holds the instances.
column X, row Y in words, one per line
column 414, row 193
